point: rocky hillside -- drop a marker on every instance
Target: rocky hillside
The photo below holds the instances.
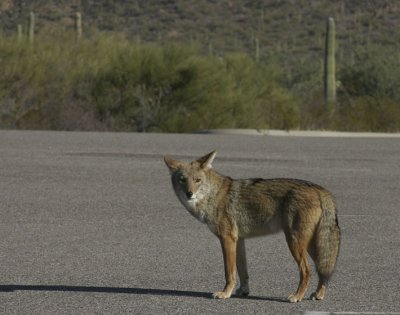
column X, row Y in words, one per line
column 289, row 27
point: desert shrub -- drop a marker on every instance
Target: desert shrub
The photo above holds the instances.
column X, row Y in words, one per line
column 369, row 92
column 131, row 90
column 176, row 89
column 41, row 83
column 261, row 102
column 366, row 113
column 372, row 74
column 110, row 83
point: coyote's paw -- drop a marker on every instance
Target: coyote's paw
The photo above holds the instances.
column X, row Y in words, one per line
column 221, row 295
column 317, row 296
column 242, row 291
column 294, row 298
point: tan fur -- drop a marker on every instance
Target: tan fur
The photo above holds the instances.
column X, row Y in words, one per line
column 244, row 208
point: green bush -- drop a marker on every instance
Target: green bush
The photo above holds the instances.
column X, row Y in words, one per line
column 369, row 98
column 174, row 88
column 368, row 113
column 373, row 74
column 45, row 83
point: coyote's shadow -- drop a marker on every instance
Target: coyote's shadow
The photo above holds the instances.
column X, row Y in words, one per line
column 122, row 290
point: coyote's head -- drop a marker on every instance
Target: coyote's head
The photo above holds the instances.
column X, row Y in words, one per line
column 190, row 180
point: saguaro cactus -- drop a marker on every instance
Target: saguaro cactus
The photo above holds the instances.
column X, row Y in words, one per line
column 210, row 47
column 31, row 27
column 78, row 26
column 257, row 53
column 19, row 33
column 329, row 65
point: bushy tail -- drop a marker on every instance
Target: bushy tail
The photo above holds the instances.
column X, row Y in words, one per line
column 327, row 239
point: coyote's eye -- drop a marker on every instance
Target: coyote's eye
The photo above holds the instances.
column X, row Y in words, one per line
column 197, row 180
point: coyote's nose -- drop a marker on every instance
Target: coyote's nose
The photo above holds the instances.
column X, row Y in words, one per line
column 189, row 194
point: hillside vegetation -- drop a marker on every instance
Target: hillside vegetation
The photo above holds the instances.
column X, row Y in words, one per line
column 185, row 65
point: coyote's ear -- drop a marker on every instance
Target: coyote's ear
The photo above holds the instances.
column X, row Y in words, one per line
column 172, row 164
column 206, row 161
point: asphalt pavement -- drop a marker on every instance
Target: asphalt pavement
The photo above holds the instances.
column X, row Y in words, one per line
column 89, row 224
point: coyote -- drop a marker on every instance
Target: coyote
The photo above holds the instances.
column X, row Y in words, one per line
column 238, row 209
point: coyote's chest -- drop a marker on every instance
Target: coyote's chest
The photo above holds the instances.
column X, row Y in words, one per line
column 198, row 209
column 195, row 208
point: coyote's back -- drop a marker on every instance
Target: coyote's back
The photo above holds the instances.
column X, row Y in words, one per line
column 239, row 209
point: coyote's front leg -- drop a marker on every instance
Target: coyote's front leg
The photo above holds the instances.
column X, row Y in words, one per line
column 241, row 264
column 228, row 244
